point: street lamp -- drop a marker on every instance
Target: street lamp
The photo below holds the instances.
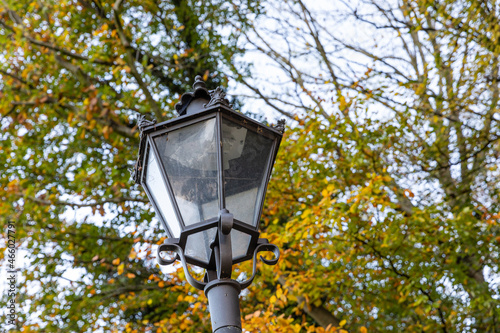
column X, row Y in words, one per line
column 206, row 173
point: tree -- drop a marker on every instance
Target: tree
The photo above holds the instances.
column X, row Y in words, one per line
column 385, row 197
column 76, row 76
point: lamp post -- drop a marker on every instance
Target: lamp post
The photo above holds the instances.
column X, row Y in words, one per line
column 206, row 173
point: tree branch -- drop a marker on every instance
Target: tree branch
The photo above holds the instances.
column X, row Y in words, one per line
column 130, row 59
column 318, row 313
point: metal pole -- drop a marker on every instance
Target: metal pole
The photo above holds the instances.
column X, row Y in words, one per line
column 224, row 305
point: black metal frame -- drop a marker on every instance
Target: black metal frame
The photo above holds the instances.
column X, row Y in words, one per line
column 195, row 107
column 218, row 111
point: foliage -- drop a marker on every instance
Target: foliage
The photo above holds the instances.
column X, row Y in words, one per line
column 385, row 198
column 76, row 75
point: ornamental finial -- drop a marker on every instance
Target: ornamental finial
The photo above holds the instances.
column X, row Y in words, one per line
column 218, row 96
column 280, row 126
column 199, row 83
column 144, row 122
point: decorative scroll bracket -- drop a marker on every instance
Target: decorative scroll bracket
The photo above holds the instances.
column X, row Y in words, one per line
column 263, row 245
column 172, row 245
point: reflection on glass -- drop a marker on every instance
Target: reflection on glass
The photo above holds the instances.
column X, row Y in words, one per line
column 198, row 245
column 157, row 188
column 245, row 157
column 189, row 156
column 239, row 243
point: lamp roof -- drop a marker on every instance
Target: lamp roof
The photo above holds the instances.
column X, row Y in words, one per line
column 190, row 104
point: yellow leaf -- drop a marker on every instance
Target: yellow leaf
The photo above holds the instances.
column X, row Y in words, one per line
column 116, row 261
column 272, row 300
column 279, row 293
column 363, row 329
column 342, row 323
column 342, row 103
column 130, row 275
column 120, row 269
